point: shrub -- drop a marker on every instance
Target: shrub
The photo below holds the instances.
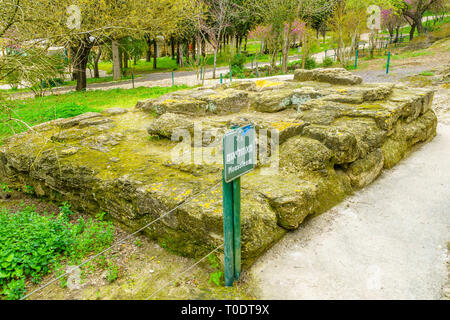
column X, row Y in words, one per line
column 238, row 61
column 327, row 62
column 33, row 244
column 309, row 64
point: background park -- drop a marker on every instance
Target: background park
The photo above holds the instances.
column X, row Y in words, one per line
column 61, row 60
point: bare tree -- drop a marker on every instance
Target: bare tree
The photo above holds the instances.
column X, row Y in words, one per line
column 218, row 18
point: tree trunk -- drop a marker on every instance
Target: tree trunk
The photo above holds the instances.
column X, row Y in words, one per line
column 125, row 60
column 187, row 52
column 411, row 33
column 116, row 60
column 155, row 54
column 180, row 54
column 203, row 48
column 215, row 63
column 285, row 49
column 172, row 41
column 80, row 60
column 96, row 60
column 397, row 30
column 245, row 44
column 149, row 50
column 193, row 50
column 199, row 45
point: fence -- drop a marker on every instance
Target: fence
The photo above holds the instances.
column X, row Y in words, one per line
column 215, row 185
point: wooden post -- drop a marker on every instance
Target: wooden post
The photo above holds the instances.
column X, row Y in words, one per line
column 237, row 227
column 228, row 232
column 388, row 60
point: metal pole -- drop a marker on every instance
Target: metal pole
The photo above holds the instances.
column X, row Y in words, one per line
column 356, row 59
column 173, row 79
column 221, row 79
column 237, row 227
column 228, row 232
column 388, row 60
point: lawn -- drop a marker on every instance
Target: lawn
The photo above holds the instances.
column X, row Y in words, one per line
column 37, row 110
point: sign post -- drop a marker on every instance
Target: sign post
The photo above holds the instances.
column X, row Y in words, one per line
column 239, row 158
column 388, row 61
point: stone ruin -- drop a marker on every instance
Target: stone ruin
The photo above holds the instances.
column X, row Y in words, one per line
column 336, row 136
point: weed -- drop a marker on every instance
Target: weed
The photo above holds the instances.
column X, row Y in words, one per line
column 427, row 73
column 137, row 242
column 4, row 186
column 33, row 245
column 112, row 272
column 217, row 275
column 28, row 190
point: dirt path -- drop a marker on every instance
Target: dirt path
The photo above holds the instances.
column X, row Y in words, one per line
column 389, row 241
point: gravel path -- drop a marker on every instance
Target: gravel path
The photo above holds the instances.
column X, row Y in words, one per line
column 389, row 241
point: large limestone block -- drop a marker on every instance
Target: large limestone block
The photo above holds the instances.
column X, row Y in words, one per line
column 197, row 102
column 337, row 76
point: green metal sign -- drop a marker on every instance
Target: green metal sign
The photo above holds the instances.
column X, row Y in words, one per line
column 239, row 152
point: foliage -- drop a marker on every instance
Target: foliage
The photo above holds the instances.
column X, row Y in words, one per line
column 327, row 62
column 310, row 63
column 238, row 61
column 112, row 272
column 215, row 277
column 33, row 244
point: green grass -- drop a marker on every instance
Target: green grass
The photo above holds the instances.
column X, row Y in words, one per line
column 412, row 54
column 427, row 73
column 37, row 110
column 74, row 82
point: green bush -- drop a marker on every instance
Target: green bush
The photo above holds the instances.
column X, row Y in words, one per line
column 33, row 244
column 238, row 61
column 309, row 64
column 327, row 62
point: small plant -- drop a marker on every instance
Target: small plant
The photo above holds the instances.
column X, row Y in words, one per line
column 4, row 186
column 216, row 276
column 427, row 73
column 28, row 190
column 112, row 272
column 101, row 216
column 33, row 245
column 327, row 62
column 137, row 242
column 15, row 289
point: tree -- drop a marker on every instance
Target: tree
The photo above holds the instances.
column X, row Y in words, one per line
column 391, row 21
column 347, row 23
column 413, row 11
column 218, row 18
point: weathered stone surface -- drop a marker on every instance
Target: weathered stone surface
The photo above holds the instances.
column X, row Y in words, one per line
column 168, row 123
column 197, row 102
column 114, row 111
column 329, row 75
column 363, row 171
column 334, row 139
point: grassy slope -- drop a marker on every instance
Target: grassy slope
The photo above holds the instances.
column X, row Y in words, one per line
column 37, row 110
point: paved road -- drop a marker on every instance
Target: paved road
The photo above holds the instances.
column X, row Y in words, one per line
column 389, row 241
